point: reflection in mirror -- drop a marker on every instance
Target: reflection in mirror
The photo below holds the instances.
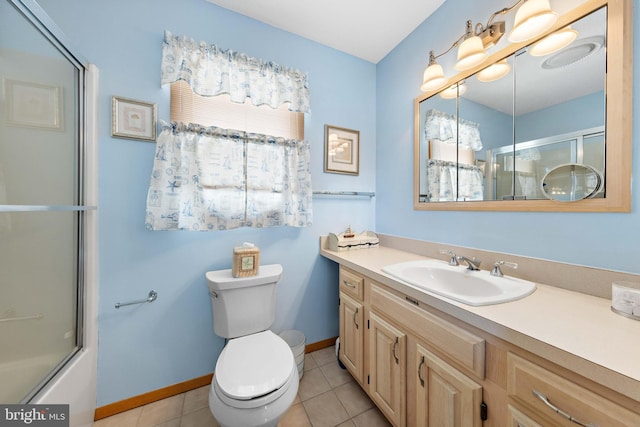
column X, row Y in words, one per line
column 531, row 113
column 571, row 182
column 438, row 156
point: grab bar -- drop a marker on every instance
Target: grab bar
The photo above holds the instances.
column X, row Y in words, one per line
column 18, row 318
column 153, row 295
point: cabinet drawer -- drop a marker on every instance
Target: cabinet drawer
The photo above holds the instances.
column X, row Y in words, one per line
column 460, row 345
column 530, row 383
column 351, row 283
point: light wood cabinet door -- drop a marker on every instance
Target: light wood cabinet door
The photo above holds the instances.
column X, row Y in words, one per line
column 387, row 366
column 444, row 396
column 352, row 330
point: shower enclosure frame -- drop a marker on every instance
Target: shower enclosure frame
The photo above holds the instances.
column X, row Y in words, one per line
column 73, row 381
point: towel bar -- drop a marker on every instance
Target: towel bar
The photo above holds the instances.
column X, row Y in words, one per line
column 153, row 295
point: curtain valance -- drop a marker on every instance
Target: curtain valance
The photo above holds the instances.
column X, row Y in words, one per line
column 444, row 127
column 211, row 71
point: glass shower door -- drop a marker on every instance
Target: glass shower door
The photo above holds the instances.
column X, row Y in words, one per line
column 41, row 207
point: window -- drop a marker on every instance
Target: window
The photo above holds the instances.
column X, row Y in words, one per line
column 218, row 164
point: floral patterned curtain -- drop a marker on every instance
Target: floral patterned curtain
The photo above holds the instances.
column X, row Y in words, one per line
column 442, row 126
column 210, row 71
column 208, row 178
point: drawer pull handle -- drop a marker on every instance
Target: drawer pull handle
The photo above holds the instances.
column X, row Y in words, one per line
column 351, row 285
column 395, row 354
column 559, row 411
column 412, row 300
column 355, row 319
column 420, row 371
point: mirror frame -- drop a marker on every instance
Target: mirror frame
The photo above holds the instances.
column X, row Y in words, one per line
column 619, row 84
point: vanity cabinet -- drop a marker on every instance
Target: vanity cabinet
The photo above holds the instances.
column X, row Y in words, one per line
column 552, row 399
column 416, row 367
column 352, row 336
column 444, row 396
column 387, row 368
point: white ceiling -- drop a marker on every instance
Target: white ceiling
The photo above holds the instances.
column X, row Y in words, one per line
column 363, row 28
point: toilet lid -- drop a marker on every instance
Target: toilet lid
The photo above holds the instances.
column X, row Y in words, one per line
column 254, row 365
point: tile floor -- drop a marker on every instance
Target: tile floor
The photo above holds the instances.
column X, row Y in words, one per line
column 327, row 396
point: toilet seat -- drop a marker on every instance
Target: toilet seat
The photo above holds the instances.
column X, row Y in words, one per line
column 254, row 366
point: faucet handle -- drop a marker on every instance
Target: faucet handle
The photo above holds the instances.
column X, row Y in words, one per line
column 496, row 271
column 453, row 260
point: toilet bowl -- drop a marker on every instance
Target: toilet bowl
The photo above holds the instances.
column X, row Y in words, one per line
column 255, row 381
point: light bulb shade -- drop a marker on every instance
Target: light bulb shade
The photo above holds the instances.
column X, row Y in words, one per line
column 554, row 42
column 433, row 78
column 470, row 53
column 454, row 91
column 494, row 71
column 533, row 18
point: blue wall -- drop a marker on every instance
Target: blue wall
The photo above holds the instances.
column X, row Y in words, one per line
column 606, row 240
column 146, row 347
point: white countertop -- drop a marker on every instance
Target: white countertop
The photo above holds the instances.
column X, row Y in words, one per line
column 574, row 330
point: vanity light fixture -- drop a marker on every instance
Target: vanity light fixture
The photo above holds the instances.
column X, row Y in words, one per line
column 554, row 42
column 533, row 18
column 433, row 77
column 471, row 52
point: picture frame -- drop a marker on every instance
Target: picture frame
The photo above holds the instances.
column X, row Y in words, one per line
column 342, row 150
column 132, row 119
column 33, row 105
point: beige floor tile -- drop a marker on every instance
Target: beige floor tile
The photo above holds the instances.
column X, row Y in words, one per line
column 312, row 384
column 353, row 398
column 335, row 375
column 327, row 396
column 325, row 410
column 200, row 418
column 123, row 419
column 371, row 418
column 296, row 416
column 171, row 423
column 324, row 356
column 309, row 362
column 163, row 410
column 196, row 399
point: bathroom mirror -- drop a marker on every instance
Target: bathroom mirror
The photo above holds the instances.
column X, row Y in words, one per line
column 571, row 182
column 547, row 111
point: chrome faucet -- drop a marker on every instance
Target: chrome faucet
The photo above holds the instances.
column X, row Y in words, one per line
column 452, row 256
column 496, row 267
column 473, row 264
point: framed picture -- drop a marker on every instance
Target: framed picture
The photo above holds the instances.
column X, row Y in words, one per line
column 33, row 104
column 133, row 119
column 342, row 150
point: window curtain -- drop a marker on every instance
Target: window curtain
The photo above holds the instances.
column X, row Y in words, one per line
column 442, row 181
column 208, row 178
column 444, row 127
column 210, row 71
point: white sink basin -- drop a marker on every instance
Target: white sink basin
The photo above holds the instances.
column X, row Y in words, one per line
column 459, row 283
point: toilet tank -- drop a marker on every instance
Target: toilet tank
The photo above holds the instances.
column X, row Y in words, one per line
column 243, row 305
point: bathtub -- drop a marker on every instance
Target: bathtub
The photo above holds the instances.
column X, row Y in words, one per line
column 18, row 378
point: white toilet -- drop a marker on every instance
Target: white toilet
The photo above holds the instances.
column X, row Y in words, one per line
column 256, row 377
